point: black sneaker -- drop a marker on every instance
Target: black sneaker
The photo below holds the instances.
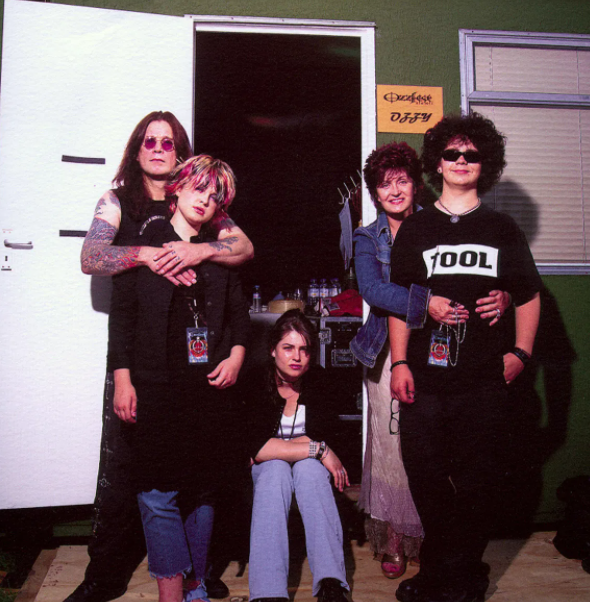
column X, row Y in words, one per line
column 93, row 591
column 452, row 592
column 414, row 589
column 216, row 588
column 332, row 591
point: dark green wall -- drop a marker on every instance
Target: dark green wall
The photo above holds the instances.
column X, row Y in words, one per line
column 417, row 43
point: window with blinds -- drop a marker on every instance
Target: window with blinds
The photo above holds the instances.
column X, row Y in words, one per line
column 536, row 89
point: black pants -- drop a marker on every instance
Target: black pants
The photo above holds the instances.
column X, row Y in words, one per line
column 117, row 544
column 453, row 451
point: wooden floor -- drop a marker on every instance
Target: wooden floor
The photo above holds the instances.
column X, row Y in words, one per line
column 522, row 571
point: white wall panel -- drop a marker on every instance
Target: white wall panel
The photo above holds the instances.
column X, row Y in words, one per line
column 75, row 81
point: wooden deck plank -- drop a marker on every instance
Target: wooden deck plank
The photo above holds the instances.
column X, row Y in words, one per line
column 522, row 571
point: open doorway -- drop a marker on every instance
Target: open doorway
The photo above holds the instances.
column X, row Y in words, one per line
column 284, row 110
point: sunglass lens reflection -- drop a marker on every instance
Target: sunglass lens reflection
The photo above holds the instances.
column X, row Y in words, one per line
column 166, row 143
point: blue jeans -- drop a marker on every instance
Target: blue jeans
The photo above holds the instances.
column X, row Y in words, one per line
column 274, row 484
column 177, row 538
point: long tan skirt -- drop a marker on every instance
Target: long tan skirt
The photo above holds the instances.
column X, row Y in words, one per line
column 385, row 494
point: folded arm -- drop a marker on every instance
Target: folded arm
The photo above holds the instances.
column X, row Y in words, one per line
column 99, row 256
column 280, row 449
column 232, row 248
column 298, row 449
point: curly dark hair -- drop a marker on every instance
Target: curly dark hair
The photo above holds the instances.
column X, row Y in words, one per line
column 474, row 128
column 393, row 156
column 292, row 320
column 130, row 173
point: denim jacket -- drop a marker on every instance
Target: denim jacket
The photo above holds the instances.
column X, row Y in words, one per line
column 372, row 252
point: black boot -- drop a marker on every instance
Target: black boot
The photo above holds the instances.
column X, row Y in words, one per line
column 216, row 588
column 93, row 591
column 332, row 591
column 414, row 589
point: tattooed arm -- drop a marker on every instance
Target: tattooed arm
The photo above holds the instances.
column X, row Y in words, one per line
column 99, row 256
column 232, row 248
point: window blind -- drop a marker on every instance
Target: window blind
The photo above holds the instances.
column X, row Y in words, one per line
column 535, row 96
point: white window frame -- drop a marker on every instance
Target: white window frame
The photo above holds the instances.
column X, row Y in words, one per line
column 470, row 97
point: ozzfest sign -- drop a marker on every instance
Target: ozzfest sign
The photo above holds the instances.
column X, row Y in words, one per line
column 408, row 109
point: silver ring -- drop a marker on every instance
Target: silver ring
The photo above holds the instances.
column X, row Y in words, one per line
column 498, row 314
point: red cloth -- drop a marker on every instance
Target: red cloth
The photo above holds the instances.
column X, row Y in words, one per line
column 347, row 303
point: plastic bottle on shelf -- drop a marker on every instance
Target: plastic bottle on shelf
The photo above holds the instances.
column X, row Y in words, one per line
column 335, row 288
column 256, row 300
column 350, row 282
column 324, row 289
column 313, row 295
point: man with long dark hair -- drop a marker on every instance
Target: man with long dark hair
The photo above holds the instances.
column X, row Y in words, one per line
column 113, row 245
column 156, row 145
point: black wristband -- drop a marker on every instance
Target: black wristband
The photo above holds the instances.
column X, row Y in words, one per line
column 398, row 363
column 522, row 355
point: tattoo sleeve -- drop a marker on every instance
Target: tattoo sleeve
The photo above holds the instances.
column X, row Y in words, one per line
column 99, row 207
column 99, row 256
column 225, row 244
column 227, row 223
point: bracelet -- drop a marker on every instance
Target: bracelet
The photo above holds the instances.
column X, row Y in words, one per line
column 522, row 355
column 313, row 449
column 326, row 454
column 321, row 450
column 398, row 363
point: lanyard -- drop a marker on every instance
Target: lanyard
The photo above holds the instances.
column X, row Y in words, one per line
column 191, row 296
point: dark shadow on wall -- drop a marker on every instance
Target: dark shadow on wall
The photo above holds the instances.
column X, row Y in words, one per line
column 538, row 425
column 538, row 429
column 537, row 422
column 100, row 293
column 509, row 197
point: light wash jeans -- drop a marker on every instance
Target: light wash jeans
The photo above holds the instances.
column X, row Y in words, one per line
column 274, row 484
column 176, row 540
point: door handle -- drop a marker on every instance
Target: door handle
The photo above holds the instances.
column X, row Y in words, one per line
column 18, row 245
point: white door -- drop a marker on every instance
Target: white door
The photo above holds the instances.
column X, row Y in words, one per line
column 75, row 81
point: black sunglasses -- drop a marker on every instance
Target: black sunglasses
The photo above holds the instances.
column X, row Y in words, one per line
column 453, row 155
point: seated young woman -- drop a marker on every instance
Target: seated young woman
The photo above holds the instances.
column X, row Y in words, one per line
column 292, row 427
column 175, row 351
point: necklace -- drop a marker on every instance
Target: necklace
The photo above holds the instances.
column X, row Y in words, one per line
column 459, row 333
column 455, row 216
